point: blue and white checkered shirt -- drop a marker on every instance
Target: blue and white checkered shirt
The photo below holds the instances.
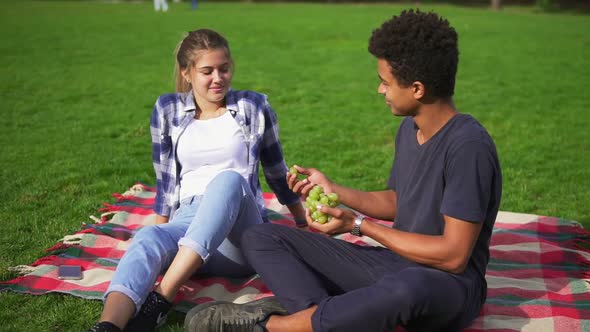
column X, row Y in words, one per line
column 173, row 113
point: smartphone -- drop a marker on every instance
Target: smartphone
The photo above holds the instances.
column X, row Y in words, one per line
column 70, row 272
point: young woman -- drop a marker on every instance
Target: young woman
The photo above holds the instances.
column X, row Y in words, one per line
column 208, row 141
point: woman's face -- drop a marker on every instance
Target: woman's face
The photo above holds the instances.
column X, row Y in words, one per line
column 210, row 77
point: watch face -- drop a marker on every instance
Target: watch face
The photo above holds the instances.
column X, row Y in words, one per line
column 356, row 229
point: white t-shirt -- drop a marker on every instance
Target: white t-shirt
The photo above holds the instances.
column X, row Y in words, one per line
column 208, row 147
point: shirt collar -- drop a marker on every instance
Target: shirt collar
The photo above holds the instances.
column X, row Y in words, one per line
column 189, row 102
column 230, row 101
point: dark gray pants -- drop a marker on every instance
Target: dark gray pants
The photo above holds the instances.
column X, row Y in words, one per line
column 358, row 288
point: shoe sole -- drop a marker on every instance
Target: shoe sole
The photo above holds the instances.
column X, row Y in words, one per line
column 189, row 321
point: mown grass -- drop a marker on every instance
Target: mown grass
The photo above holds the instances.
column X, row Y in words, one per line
column 79, row 80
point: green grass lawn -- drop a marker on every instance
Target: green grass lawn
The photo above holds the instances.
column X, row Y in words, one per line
column 79, row 79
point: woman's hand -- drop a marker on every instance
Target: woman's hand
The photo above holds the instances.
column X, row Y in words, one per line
column 298, row 213
column 161, row 219
column 314, row 177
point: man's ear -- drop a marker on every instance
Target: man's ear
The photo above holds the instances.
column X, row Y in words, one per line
column 419, row 90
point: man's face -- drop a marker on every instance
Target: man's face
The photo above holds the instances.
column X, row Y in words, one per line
column 400, row 100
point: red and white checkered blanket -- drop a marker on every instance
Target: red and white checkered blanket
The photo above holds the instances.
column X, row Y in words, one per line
column 537, row 275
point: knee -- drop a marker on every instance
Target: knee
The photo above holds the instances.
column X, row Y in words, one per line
column 149, row 237
column 146, row 233
column 407, row 288
column 227, row 179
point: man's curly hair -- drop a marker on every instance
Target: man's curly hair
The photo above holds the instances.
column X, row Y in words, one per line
column 419, row 47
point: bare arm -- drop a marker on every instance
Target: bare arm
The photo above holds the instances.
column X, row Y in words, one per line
column 298, row 213
column 448, row 252
column 161, row 219
column 377, row 204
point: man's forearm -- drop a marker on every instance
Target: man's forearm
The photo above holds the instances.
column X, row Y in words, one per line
column 377, row 204
column 448, row 252
column 423, row 249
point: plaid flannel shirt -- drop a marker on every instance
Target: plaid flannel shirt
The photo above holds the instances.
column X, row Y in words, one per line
column 258, row 122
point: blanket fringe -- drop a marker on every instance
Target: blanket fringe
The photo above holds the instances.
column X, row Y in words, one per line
column 72, row 239
column 95, row 219
column 22, row 269
column 103, row 216
column 137, row 188
column 57, row 247
column 120, row 197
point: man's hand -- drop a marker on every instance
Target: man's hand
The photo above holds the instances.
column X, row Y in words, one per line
column 314, row 177
column 341, row 221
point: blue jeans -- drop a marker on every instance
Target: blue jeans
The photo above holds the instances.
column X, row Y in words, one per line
column 211, row 225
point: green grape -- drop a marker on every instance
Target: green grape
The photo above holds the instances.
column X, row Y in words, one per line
column 322, row 219
column 311, row 203
column 318, row 188
column 334, row 200
column 314, row 205
column 324, row 199
column 293, row 170
column 315, row 215
column 314, row 195
column 314, row 191
column 334, row 197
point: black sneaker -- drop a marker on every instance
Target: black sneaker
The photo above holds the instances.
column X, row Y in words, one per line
column 152, row 314
column 227, row 316
column 104, row 327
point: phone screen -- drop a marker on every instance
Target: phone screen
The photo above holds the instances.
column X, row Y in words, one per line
column 70, row 272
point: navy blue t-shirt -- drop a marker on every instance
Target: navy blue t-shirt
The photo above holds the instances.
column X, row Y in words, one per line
column 455, row 173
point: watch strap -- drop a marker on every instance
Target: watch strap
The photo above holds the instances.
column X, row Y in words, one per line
column 356, row 228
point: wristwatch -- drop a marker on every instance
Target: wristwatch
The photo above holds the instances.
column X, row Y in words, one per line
column 356, row 229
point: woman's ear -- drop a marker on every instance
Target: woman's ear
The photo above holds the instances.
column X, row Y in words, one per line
column 186, row 74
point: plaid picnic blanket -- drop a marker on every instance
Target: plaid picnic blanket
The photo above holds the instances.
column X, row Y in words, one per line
column 537, row 276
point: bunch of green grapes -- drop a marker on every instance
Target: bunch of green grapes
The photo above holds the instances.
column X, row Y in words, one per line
column 317, row 197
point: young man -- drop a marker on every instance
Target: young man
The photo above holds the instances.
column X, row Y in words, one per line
column 443, row 193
